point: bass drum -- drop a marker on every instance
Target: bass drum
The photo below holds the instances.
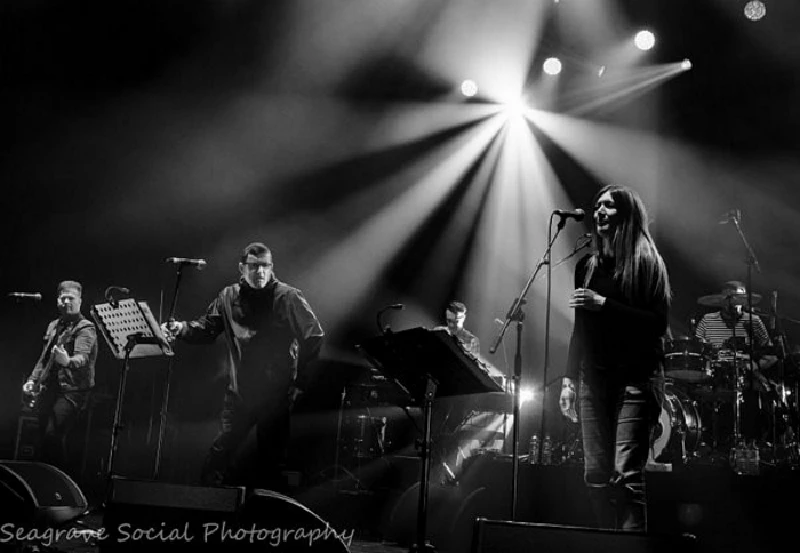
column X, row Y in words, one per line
column 676, row 435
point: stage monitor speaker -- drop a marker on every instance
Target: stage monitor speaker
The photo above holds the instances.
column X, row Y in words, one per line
column 38, row 494
column 498, row 536
column 156, row 516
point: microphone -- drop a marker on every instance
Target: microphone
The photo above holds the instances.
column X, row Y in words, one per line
column 581, row 243
column 387, row 329
column 112, row 292
column 35, row 296
column 118, row 289
column 199, row 263
column 576, row 214
column 731, row 215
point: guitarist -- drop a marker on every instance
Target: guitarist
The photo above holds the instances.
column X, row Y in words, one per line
column 59, row 384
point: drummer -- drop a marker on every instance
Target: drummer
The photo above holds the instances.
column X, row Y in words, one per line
column 728, row 329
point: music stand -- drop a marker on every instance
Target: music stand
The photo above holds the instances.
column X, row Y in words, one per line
column 131, row 331
column 429, row 364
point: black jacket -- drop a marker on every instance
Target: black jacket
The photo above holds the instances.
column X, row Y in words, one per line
column 621, row 337
column 272, row 336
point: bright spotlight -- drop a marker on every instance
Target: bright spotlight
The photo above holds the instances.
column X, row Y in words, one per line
column 644, row 40
column 601, row 71
column 686, row 64
column 525, row 395
column 755, row 10
column 515, row 108
column 469, row 88
column 552, row 66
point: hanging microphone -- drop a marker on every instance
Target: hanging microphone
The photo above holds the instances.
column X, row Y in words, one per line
column 199, row 263
column 731, row 215
column 35, row 296
column 576, row 214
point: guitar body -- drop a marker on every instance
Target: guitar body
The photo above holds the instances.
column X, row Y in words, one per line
column 33, row 400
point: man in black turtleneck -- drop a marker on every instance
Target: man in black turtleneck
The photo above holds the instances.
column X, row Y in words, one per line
column 59, row 384
column 272, row 336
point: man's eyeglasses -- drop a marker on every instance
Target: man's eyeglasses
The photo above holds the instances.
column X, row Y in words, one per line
column 257, row 266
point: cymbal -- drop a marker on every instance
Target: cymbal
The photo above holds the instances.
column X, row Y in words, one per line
column 722, row 300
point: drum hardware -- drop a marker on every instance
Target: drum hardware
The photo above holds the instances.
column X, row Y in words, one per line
column 677, row 434
column 687, row 359
column 360, row 437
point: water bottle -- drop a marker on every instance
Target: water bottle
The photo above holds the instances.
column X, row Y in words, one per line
column 547, row 451
column 533, row 450
column 753, row 459
column 739, row 458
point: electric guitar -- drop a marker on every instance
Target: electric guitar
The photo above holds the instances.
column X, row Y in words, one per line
column 32, row 400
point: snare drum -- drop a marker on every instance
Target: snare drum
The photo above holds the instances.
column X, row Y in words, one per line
column 725, row 366
column 688, row 360
column 677, row 434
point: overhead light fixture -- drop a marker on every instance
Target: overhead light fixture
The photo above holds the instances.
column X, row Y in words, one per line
column 686, row 64
column 469, row 88
column 552, row 66
column 755, row 10
column 644, row 40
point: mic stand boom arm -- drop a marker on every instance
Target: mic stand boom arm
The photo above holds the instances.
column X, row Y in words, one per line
column 516, row 314
column 752, row 261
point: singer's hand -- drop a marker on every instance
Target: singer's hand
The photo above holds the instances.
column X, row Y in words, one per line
column 584, row 298
column 567, row 400
column 171, row 329
column 60, row 355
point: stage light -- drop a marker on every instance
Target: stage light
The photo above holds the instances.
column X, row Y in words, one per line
column 686, row 64
column 601, row 71
column 755, row 10
column 525, row 395
column 644, row 40
column 515, row 108
column 469, row 88
column 552, row 66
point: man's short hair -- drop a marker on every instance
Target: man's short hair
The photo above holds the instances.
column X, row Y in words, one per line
column 254, row 248
column 69, row 285
column 456, row 307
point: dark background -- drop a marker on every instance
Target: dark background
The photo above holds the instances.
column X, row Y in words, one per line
column 140, row 130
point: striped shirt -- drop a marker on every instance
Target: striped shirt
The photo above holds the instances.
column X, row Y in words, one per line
column 717, row 331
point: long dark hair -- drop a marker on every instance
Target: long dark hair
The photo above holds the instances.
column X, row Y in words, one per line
column 638, row 267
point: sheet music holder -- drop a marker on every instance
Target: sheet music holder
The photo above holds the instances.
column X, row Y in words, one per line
column 130, row 330
column 130, row 321
column 428, row 364
column 410, row 355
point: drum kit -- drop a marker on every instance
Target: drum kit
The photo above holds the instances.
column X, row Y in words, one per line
column 717, row 395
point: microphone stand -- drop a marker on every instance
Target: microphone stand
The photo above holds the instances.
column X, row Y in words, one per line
column 165, row 396
column 516, row 314
column 751, row 262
